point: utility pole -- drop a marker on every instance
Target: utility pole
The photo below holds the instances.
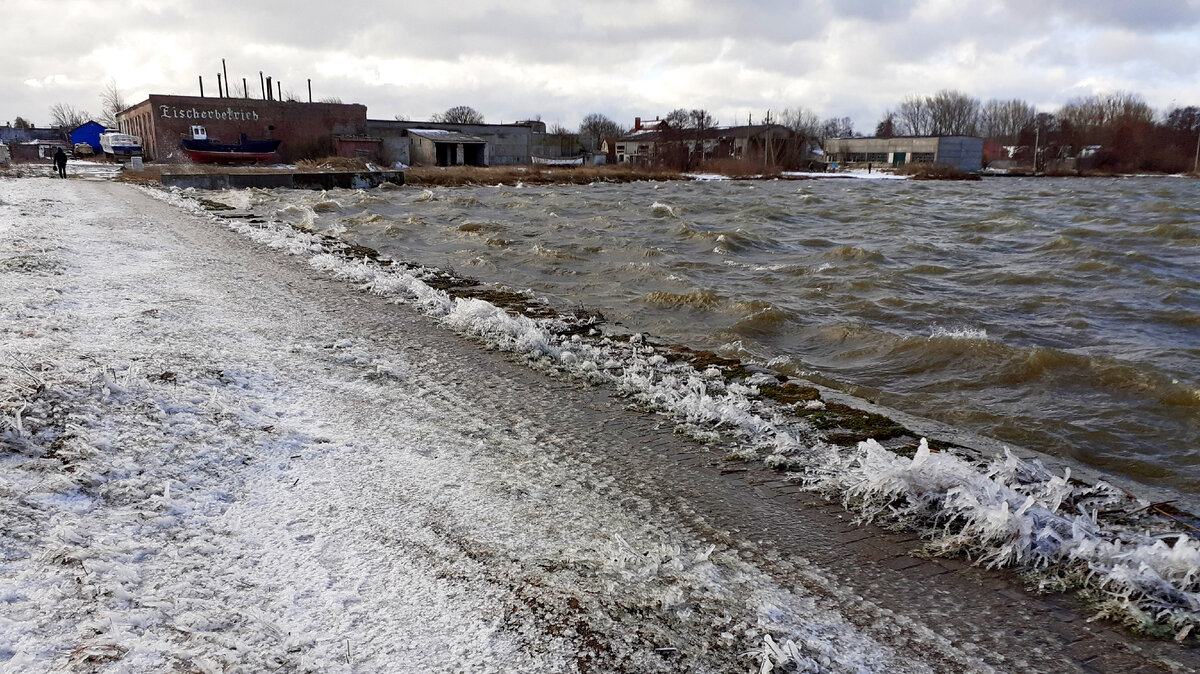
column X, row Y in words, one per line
column 1037, row 141
column 1196, row 161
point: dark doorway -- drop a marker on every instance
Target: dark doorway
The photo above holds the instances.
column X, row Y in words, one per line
column 475, row 154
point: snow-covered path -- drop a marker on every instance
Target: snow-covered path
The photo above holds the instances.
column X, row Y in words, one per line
column 217, row 459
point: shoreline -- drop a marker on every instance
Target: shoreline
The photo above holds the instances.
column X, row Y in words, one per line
column 314, row 428
column 848, row 423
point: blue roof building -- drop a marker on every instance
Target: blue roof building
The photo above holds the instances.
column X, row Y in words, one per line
column 88, row 132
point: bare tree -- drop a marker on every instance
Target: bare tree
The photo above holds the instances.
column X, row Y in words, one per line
column 837, row 127
column 953, row 113
column 1002, row 121
column 459, row 114
column 677, row 118
column 700, row 120
column 886, row 128
column 331, row 99
column 1097, row 117
column 914, row 116
column 65, row 116
column 111, row 102
column 804, row 122
column 595, row 128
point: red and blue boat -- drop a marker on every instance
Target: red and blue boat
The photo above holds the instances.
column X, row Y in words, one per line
column 200, row 148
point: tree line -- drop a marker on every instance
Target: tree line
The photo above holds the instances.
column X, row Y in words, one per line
column 1119, row 129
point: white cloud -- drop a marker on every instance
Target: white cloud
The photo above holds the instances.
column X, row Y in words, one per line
column 623, row 58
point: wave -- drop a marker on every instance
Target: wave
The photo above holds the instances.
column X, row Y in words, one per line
column 660, row 209
column 854, row 254
column 704, row 299
column 966, row 333
column 327, row 206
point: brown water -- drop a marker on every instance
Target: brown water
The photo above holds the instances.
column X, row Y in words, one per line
column 1060, row 315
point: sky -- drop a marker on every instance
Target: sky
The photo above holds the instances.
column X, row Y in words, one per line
column 559, row 61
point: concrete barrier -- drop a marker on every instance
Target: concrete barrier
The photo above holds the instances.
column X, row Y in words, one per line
column 310, row 181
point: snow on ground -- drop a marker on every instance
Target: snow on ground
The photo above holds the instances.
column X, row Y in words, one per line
column 1002, row 510
column 204, row 468
column 856, row 174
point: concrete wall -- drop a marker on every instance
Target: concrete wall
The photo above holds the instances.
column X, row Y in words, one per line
column 310, row 181
column 306, row 129
column 423, row 151
column 508, row 144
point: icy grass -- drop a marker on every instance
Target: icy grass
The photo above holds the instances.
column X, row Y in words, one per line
column 194, row 519
column 1005, row 511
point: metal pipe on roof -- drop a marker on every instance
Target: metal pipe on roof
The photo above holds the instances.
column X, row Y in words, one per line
column 220, row 91
column 223, row 70
column 201, row 77
column 245, row 89
column 262, row 83
column 310, row 90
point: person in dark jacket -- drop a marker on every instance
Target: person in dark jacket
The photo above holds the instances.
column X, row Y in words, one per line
column 60, row 163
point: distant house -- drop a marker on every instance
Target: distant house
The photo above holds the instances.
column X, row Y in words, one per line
column 88, row 132
column 658, row 143
column 962, row 152
column 34, row 150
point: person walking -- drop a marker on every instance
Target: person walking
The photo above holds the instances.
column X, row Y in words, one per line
column 60, row 163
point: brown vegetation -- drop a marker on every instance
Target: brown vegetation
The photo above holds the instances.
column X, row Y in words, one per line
column 429, row 176
column 935, row 172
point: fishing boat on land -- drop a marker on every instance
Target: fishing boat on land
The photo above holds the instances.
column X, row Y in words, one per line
column 120, row 145
column 200, row 148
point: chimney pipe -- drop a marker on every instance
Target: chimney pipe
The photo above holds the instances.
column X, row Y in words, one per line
column 220, row 91
column 263, row 85
column 637, row 123
column 245, row 89
column 201, row 77
column 310, row 90
column 270, row 90
column 226, row 72
column 279, row 85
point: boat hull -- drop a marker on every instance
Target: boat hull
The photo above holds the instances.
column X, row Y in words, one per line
column 248, row 151
column 222, row 157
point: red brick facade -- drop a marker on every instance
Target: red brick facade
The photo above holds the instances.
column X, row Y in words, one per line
column 306, row 129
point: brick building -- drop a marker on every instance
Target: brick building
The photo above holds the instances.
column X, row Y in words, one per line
column 306, row 129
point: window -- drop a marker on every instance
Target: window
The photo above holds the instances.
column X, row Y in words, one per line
column 856, row 157
column 877, row 157
column 922, row 157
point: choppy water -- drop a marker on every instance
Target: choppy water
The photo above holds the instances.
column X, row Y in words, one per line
column 1060, row 315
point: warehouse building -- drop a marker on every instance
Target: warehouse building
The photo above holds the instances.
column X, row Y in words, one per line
column 961, row 152
column 415, row 143
column 306, row 129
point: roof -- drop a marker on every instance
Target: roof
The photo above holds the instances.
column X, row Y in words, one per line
column 743, row 131
column 445, row 136
column 90, row 121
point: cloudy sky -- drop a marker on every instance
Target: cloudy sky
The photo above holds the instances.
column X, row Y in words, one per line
column 562, row 60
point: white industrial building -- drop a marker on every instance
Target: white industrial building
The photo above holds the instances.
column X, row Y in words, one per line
column 961, row 152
